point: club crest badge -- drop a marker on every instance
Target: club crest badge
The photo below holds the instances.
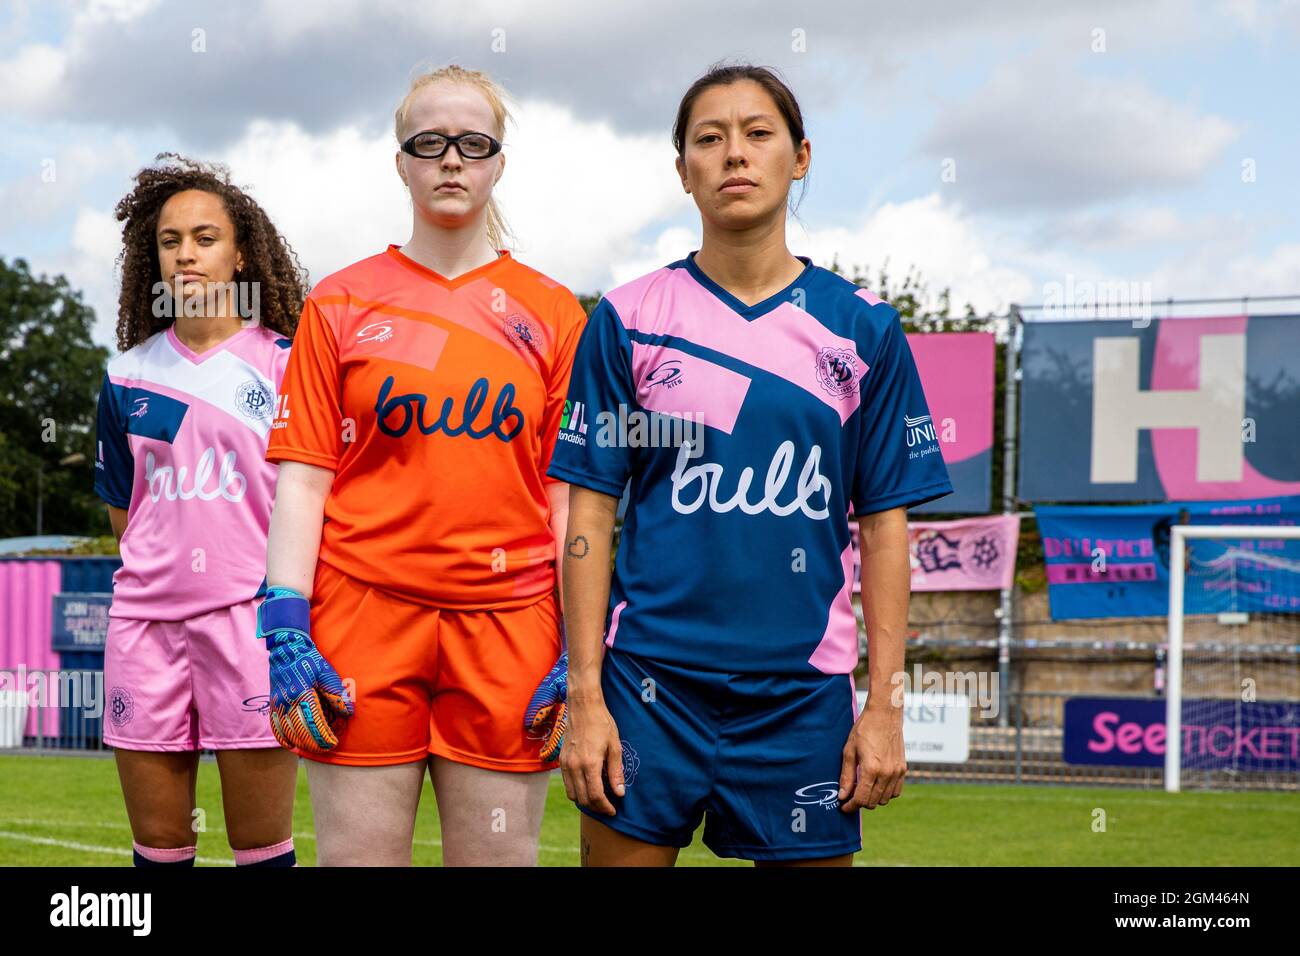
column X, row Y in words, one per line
column 254, row 400
column 838, row 371
column 523, row 331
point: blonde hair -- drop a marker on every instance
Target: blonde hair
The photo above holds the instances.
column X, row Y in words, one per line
column 498, row 231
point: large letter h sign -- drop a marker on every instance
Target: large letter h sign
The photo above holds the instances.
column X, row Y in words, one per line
column 1120, row 409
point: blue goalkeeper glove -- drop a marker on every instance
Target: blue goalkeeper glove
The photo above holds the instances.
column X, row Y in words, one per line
column 547, row 711
column 307, row 696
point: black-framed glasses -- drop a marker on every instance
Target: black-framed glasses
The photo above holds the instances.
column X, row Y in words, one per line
column 430, row 145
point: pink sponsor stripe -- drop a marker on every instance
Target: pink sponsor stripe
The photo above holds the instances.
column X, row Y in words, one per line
column 396, row 338
column 1082, row 573
column 871, row 297
column 785, row 342
column 700, row 391
column 837, row 652
column 613, row 623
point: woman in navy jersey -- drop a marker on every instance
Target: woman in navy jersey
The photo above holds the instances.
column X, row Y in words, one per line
column 711, row 678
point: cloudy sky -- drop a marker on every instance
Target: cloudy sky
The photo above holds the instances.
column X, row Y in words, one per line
column 1001, row 148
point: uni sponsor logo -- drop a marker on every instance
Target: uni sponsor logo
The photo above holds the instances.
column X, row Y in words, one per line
column 919, row 429
column 141, row 408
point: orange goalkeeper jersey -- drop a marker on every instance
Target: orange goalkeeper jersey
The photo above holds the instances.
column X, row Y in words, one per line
column 436, row 402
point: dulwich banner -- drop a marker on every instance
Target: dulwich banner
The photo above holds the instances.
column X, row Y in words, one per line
column 1245, row 575
column 1160, row 410
column 956, row 370
column 1259, row 736
column 973, row 554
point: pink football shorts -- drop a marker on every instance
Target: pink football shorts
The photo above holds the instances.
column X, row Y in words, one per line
column 200, row 684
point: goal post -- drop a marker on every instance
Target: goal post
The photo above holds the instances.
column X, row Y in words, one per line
column 1224, row 564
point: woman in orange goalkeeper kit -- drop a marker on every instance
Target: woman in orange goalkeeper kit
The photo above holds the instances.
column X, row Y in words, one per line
column 412, row 607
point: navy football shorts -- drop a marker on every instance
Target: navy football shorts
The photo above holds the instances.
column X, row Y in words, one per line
column 756, row 756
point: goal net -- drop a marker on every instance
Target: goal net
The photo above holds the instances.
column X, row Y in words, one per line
column 1233, row 680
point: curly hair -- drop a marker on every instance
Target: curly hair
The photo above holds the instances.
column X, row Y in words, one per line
column 269, row 260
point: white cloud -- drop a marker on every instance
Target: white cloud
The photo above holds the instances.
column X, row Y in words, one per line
column 1040, row 134
column 947, row 247
column 335, row 197
column 575, row 193
column 32, row 79
column 88, row 264
column 61, row 180
column 1143, row 226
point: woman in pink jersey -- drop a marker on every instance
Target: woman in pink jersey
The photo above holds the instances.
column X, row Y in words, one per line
column 210, row 299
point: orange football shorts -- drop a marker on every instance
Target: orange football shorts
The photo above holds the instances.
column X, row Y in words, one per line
column 431, row 681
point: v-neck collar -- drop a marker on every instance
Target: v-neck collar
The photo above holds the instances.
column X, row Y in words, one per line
column 395, row 251
column 747, row 312
column 198, row 358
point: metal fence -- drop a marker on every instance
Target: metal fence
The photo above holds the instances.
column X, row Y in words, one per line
column 1028, row 750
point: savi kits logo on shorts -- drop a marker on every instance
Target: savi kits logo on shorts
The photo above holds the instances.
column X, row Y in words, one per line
column 838, row 371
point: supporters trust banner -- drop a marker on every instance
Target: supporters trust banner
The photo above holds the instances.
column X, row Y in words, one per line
column 973, row 554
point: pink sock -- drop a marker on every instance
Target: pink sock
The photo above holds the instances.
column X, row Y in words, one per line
column 180, row 854
column 262, row 854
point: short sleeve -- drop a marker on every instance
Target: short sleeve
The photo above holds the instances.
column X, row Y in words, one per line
column 114, row 463
column 899, row 461
column 308, row 420
column 570, row 320
column 600, row 383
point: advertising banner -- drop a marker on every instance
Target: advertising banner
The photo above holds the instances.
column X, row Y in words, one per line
column 970, row 554
column 956, row 370
column 1113, row 560
column 1160, row 410
column 1260, row 736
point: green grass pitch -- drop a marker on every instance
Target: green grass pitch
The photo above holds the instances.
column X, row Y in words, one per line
column 68, row 811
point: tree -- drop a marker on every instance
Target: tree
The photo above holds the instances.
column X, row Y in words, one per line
column 50, row 373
